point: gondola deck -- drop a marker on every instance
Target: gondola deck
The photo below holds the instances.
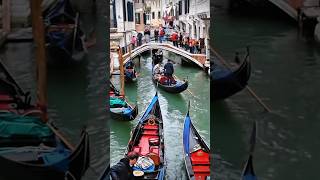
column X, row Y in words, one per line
column 147, row 140
column 196, row 152
column 31, row 148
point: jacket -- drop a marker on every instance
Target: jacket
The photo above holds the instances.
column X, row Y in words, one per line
column 168, row 68
column 122, row 170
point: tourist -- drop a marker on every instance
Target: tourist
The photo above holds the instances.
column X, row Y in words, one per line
column 147, row 35
column 161, row 33
column 133, row 41
column 123, row 169
column 180, row 39
column 174, row 39
column 157, row 68
column 140, row 39
column 156, row 35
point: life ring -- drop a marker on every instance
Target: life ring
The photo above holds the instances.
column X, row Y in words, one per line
column 151, row 122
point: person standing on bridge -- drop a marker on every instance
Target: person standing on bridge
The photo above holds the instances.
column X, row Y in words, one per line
column 162, row 33
column 180, row 39
column 156, row 35
column 140, row 39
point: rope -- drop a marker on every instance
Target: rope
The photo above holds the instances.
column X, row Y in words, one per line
column 251, row 92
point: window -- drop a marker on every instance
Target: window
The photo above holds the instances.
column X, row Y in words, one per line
column 130, row 11
column 113, row 19
column 180, row 8
column 186, row 6
column 159, row 15
column 153, row 15
column 137, row 15
column 124, row 10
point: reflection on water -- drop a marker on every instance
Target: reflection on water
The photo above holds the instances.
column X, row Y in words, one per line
column 285, row 75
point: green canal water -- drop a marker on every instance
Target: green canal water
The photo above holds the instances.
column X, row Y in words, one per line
column 285, row 75
column 173, row 107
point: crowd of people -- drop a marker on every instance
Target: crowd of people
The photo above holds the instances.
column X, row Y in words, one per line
column 179, row 39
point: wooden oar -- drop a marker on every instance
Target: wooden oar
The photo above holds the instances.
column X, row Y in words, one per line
column 38, row 33
column 187, row 88
column 251, row 92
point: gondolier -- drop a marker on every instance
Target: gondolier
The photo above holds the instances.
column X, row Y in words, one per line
column 168, row 69
column 123, row 169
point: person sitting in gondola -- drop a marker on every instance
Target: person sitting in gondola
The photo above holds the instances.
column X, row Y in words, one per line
column 123, row 169
column 130, row 64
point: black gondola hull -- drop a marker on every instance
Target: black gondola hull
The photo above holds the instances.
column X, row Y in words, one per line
column 78, row 164
column 229, row 85
column 172, row 89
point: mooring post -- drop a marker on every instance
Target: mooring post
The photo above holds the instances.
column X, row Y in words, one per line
column 6, row 16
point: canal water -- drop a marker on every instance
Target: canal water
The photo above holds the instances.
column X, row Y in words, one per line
column 173, row 108
column 285, row 75
column 76, row 97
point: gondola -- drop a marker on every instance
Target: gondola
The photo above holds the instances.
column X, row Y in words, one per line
column 225, row 82
column 248, row 171
column 30, row 148
column 176, row 85
column 130, row 73
column 148, row 141
column 196, row 152
column 120, row 109
column 65, row 39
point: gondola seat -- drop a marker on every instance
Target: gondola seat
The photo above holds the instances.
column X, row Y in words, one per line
column 150, row 132
column 201, row 169
column 154, row 149
column 6, row 98
column 200, row 157
column 150, row 127
column 137, row 149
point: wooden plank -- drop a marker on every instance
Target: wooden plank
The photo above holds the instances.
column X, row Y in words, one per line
column 121, row 71
column 38, row 34
column 6, row 16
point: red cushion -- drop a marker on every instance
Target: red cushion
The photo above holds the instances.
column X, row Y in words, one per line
column 150, row 132
column 201, row 169
column 4, row 97
column 150, row 127
column 137, row 149
column 200, row 157
column 154, row 149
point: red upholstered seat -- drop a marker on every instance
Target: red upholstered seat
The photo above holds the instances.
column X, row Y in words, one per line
column 150, row 127
column 4, row 97
column 201, row 169
column 150, row 132
column 200, row 157
column 154, row 149
column 5, row 106
column 137, row 149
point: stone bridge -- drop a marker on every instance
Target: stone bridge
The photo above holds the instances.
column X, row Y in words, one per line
column 198, row 59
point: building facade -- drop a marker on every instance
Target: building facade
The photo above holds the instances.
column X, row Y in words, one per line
column 122, row 23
